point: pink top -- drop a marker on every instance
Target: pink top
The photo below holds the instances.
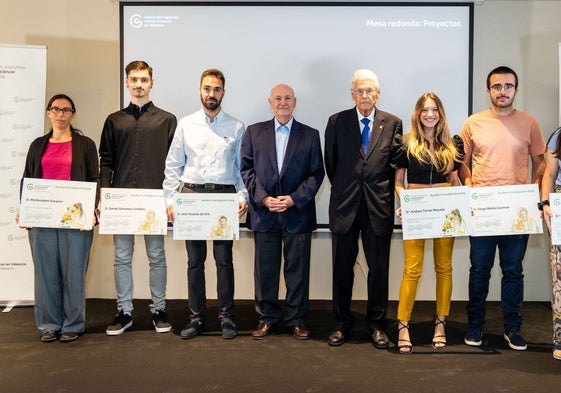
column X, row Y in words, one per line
column 57, row 161
column 500, row 146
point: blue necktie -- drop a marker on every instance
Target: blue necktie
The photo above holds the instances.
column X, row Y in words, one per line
column 365, row 133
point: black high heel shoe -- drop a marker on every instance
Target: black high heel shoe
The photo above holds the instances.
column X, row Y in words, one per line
column 439, row 340
column 406, row 348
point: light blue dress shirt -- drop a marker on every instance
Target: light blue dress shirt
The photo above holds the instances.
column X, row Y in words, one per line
column 282, row 133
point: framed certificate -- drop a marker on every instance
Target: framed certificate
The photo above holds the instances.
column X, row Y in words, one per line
column 132, row 211
column 435, row 212
column 506, row 210
column 202, row 216
column 57, row 204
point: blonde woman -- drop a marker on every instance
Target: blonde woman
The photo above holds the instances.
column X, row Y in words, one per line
column 433, row 158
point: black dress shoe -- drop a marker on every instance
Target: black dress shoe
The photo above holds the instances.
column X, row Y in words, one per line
column 380, row 339
column 336, row 338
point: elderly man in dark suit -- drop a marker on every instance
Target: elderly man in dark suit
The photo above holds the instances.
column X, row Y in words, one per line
column 282, row 168
column 361, row 153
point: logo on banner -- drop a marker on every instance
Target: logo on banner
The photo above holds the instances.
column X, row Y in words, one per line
column 22, row 99
column 137, row 21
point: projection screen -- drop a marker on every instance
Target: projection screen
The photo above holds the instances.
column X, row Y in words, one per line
column 312, row 46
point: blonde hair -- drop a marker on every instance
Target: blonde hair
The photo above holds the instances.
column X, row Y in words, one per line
column 417, row 144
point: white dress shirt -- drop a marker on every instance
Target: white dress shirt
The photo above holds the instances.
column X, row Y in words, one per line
column 205, row 152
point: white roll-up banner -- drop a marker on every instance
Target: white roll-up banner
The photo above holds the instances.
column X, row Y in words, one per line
column 23, row 75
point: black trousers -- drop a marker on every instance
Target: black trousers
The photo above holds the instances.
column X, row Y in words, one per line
column 377, row 253
column 268, row 255
column 196, row 257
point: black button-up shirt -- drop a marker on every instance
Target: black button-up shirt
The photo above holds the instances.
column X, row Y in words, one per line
column 134, row 145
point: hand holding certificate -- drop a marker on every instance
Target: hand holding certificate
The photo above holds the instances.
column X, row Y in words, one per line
column 201, row 216
column 133, row 211
column 480, row 211
column 555, row 207
column 506, row 210
column 435, row 212
column 57, row 204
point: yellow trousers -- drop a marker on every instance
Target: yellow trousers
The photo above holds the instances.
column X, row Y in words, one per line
column 414, row 251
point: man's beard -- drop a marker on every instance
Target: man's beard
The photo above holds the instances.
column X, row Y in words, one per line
column 211, row 105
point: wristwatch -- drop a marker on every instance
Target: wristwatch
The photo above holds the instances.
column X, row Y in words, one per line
column 543, row 203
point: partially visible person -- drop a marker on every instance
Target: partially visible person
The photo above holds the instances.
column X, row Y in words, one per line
column 362, row 150
column 499, row 142
column 205, row 158
column 551, row 183
column 61, row 256
column 282, row 167
column 133, row 149
column 433, row 159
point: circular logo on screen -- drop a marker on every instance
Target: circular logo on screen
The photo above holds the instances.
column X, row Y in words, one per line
column 136, row 21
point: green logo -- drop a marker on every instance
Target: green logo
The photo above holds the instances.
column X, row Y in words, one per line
column 406, row 198
column 30, row 186
column 107, row 195
column 179, row 201
column 474, row 196
column 556, row 202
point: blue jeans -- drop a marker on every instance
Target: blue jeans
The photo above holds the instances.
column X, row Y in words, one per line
column 60, row 260
column 124, row 248
column 482, row 255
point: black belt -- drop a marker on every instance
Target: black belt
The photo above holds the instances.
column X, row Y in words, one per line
column 208, row 186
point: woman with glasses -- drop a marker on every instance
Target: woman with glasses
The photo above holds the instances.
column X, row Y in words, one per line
column 551, row 182
column 60, row 256
column 433, row 159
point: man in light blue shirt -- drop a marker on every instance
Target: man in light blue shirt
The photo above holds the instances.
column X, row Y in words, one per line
column 204, row 157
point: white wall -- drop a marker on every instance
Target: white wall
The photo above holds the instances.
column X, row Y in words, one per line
column 83, row 60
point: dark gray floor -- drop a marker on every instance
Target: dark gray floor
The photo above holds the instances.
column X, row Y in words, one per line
column 141, row 360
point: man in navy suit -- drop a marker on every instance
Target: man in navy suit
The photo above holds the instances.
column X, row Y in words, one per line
column 362, row 148
column 282, row 168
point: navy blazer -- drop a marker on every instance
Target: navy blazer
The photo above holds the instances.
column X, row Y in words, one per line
column 300, row 177
column 355, row 174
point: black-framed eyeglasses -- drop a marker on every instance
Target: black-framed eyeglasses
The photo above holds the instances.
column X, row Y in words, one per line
column 66, row 111
column 507, row 87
